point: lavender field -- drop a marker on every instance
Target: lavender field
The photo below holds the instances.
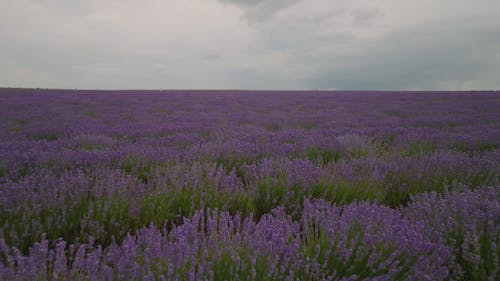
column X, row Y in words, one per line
column 242, row 185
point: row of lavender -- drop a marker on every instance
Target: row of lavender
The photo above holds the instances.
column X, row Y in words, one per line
column 106, row 204
column 87, row 166
column 434, row 238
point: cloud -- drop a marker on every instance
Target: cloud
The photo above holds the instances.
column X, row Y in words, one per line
column 78, row 44
column 444, row 56
column 212, row 57
column 260, row 44
column 261, row 10
column 365, row 16
column 348, row 46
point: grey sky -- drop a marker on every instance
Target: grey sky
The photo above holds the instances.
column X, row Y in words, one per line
column 254, row 44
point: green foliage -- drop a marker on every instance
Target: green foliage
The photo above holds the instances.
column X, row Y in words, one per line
column 476, row 147
column 324, row 249
column 239, row 202
column 104, row 219
column 484, row 250
column 109, row 220
column 272, row 127
column 171, row 207
column 90, row 114
column 343, row 192
column 46, row 136
column 168, row 208
column 234, row 162
column 138, row 167
column 417, row 148
column 384, row 145
column 268, row 195
column 308, row 125
column 3, row 170
column 226, row 268
column 53, row 222
column 91, row 146
column 323, row 156
column 399, row 187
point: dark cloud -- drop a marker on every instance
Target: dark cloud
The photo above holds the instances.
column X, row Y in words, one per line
column 366, row 15
column 261, row 10
column 446, row 56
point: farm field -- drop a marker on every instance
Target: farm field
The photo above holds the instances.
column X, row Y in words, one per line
column 249, row 185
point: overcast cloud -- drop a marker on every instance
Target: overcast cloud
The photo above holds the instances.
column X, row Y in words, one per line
column 254, row 44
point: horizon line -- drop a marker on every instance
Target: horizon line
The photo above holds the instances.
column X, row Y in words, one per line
column 234, row 90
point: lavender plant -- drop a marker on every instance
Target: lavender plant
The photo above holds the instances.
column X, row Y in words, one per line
column 469, row 223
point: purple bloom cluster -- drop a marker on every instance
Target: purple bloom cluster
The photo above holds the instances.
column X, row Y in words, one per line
column 233, row 185
column 469, row 222
column 366, row 240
